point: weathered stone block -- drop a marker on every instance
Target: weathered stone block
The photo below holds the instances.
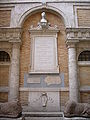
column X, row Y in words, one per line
column 74, row 109
column 10, row 109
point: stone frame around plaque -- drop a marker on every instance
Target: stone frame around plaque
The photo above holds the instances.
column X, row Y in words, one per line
column 48, row 34
column 43, row 56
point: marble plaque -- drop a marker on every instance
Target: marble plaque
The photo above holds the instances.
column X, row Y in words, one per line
column 44, row 101
column 44, row 53
column 33, row 80
column 49, row 80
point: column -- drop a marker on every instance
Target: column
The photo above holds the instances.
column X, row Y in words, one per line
column 14, row 73
column 73, row 81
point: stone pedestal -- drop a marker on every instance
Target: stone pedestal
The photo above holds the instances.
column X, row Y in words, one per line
column 73, row 82
column 44, row 100
column 14, row 73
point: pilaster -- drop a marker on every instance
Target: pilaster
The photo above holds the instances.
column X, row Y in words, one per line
column 73, row 80
column 14, row 74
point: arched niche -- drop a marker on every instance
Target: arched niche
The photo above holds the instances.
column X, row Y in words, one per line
column 32, row 19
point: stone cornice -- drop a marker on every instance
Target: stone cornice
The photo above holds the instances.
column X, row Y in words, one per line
column 40, row 1
column 10, row 34
column 75, row 35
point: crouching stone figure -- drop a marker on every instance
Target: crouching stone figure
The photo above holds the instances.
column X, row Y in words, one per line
column 10, row 109
column 73, row 109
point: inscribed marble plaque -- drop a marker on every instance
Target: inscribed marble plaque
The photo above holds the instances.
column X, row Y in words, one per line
column 44, row 53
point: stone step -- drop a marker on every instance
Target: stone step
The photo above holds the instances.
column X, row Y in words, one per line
column 49, row 116
column 42, row 114
column 76, row 118
column 43, row 118
column 55, row 118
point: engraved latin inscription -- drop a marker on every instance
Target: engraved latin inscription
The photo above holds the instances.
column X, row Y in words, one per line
column 44, row 53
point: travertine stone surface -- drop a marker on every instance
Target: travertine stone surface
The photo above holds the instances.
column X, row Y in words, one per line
column 74, row 109
column 10, row 109
column 49, row 80
column 45, row 101
column 73, row 82
column 14, row 75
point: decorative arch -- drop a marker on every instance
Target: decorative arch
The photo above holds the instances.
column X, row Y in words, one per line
column 84, row 56
column 43, row 8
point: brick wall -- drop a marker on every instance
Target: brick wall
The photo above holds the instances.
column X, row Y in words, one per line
column 3, row 97
column 64, row 97
column 85, row 97
column 84, row 75
column 5, row 16
column 24, row 98
column 4, row 81
column 4, row 75
column 83, row 16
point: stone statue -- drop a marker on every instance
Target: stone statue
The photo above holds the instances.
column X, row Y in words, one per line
column 73, row 109
column 10, row 109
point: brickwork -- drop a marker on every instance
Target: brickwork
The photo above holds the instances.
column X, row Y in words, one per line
column 85, row 97
column 5, row 16
column 25, row 48
column 3, row 97
column 83, row 16
column 64, row 97
column 84, row 75
column 4, row 75
column 24, row 98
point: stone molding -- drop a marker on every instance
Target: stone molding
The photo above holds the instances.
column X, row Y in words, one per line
column 23, row 89
column 10, row 35
column 62, row 89
column 74, row 35
column 84, row 63
column 40, row 1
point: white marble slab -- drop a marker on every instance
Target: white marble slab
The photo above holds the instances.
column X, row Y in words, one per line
column 44, row 101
